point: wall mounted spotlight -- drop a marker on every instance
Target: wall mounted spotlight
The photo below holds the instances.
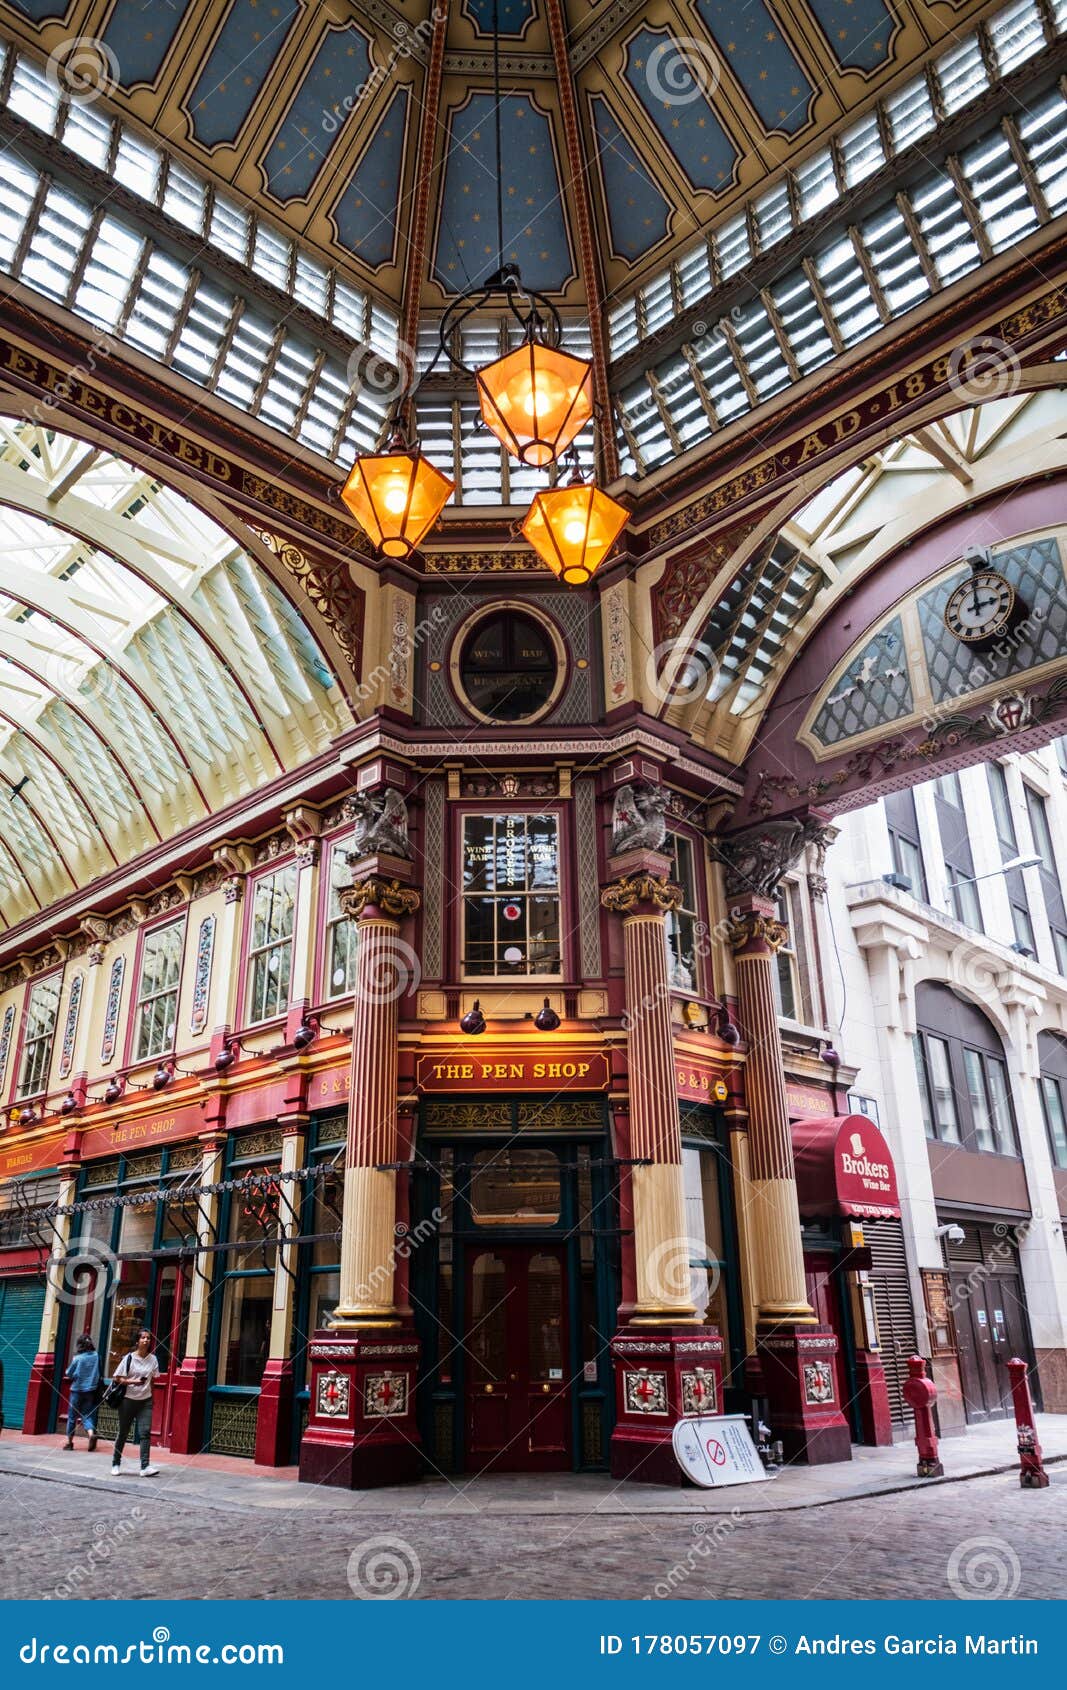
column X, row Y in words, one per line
column 69, row 1104
column 546, row 1020
column 305, row 1034
column 474, row 1021
column 162, row 1076
column 115, row 1089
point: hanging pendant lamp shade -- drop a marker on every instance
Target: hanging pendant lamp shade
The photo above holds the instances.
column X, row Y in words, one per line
column 573, row 529
column 396, row 497
column 536, row 400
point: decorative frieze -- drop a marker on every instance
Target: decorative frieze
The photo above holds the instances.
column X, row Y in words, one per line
column 205, row 951
column 70, row 1026
column 624, row 896
column 5, row 1042
column 111, row 1011
column 374, row 892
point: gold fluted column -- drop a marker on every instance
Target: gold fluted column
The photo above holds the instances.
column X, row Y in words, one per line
column 756, row 935
column 384, row 971
column 661, row 1246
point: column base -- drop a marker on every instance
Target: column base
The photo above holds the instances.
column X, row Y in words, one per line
column 40, row 1393
column 872, row 1397
column 800, row 1381
column 190, row 1407
column 661, row 1375
column 361, row 1429
column 274, row 1422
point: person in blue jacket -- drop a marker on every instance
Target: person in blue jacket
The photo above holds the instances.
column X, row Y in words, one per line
column 84, row 1376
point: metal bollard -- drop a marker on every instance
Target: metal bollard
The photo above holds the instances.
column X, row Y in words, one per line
column 921, row 1393
column 1032, row 1475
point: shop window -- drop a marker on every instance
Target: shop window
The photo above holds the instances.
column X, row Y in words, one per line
column 515, row 1187
column 42, row 1007
column 963, row 1077
column 157, row 991
column 271, row 944
column 703, row 1213
column 511, row 896
column 1052, row 1053
column 509, row 667
column 682, row 925
column 245, row 1329
column 341, row 934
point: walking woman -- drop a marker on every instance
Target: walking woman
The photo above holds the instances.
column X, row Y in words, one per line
column 137, row 1372
column 84, row 1376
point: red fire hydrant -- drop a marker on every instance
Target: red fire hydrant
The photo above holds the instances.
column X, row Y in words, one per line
column 921, row 1393
column 1032, row 1475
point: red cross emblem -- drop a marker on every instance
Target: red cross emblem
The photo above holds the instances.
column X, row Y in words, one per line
column 644, row 1390
column 385, row 1393
column 331, row 1393
column 700, row 1390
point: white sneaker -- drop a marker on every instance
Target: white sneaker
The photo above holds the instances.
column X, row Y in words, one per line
column 149, row 1472
column 116, row 1470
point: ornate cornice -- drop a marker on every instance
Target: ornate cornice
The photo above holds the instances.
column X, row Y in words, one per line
column 624, row 896
column 374, row 893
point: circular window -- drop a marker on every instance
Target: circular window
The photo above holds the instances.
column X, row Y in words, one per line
column 509, row 665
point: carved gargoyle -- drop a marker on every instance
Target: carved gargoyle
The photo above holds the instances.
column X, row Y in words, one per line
column 381, row 824
column 638, row 818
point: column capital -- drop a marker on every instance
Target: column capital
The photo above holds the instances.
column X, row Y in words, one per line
column 757, row 860
column 376, row 895
column 641, row 893
column 753, row 928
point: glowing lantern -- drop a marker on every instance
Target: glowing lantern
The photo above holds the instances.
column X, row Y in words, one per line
column 574, row 528
column 396, row 498
column 536, row 401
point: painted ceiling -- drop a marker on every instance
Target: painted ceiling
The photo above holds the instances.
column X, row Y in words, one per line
column 313, row 112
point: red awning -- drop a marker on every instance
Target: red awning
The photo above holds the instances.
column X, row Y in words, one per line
column 844, row 1167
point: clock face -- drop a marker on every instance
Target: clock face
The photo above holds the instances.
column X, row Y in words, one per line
column 980, row 608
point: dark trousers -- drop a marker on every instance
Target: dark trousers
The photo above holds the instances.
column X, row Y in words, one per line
column 137, row 1415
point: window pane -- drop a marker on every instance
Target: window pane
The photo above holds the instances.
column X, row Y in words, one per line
column 1000, row 1104
column 245, row 1333
column 924, row 1086
column 1055, row 1121
column 515, row 1187
column 984, row 1131
column 511, row 898
column 943, row 1096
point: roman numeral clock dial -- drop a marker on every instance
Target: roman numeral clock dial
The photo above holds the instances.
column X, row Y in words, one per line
column 981, row 609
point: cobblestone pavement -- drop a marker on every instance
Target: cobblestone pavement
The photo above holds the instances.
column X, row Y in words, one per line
column 978, row 1538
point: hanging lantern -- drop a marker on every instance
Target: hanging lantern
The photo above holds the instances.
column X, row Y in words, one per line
column 397, row 497
column 574, row 528
column 536, row 400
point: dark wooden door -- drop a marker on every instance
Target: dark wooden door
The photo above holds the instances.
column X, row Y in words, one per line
column 518, row 1409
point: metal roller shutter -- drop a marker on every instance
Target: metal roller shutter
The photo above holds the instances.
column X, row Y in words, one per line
column 893, row 1308
column 21, row 1308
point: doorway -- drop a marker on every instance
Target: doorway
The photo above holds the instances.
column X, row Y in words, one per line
column 169, row 1325
column 989, row 1306
column 518, row 1390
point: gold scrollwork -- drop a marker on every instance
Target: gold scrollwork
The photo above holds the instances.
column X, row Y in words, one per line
column 626, row 894
column 756, row 929
column 386, row 895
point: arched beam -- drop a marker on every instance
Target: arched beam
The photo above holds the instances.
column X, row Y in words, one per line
column 42, row 750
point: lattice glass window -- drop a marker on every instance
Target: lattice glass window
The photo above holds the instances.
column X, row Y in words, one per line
column 270, row 953
column 246, row 360
column 816, row 183
column 732, row 247
column 137, row 165
column 694, row 274
column 1016, row 35
column 341, row 934
column 156, row 1015
column 622, row 327
column 185, row 197
column 42, row 1008
column 17, row 188
column 230, row 227
column 802, row 321
column 894, row 259
column 87, row 132
column 773, row 217
column 721, row 376
column 200, row 341
column 961, row 74
column 57, row 240
column 105, row 282
column 159, row 300
column 846, row 292
column 657, row 303
column 33, row 96
column 272, row 256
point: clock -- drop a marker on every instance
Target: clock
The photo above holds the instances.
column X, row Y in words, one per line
column 982, row 608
